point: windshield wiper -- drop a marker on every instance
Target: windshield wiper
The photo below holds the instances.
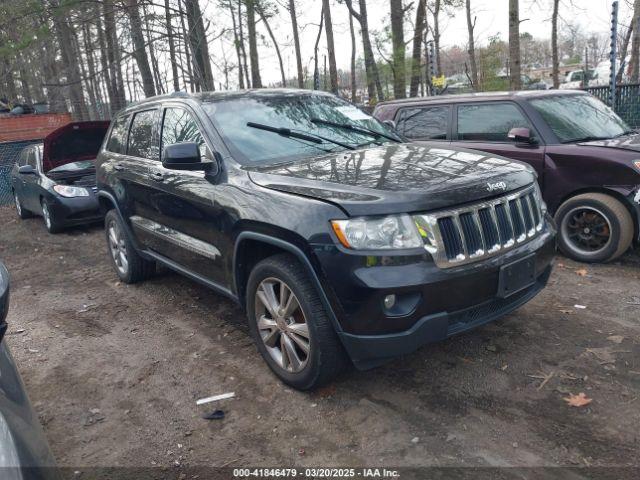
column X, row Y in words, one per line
column 309, row 137
column 586, row 139
column 353, row 128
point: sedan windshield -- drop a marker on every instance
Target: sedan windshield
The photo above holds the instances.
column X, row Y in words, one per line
column 267, row 128
column 575, row 118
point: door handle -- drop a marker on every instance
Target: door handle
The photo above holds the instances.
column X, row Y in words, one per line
column 118, row 167
column 157, row 176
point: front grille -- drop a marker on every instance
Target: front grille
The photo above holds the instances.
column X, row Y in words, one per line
column 484, row 229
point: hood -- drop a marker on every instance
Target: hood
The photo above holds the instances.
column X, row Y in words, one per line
column 626, row 142
column 394, row 178
column 74, row 142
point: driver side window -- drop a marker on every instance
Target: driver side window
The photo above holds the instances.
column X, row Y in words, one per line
column 490, row 122
column 178, row 126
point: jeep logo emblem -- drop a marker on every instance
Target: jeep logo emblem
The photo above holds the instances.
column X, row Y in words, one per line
column 492, row 187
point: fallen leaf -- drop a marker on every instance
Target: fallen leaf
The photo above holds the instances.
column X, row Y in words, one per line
column 616, row 338
column 326, row 391
column 579, row 400
column 582, row 272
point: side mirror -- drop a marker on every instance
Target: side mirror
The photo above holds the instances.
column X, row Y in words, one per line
column 26, row 170
column 186, row 156
column 521, row 135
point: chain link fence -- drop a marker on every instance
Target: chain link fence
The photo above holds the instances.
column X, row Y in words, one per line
column 9, row 153
column 627, row 103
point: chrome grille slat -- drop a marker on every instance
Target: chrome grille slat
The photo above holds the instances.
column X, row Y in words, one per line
column 482, row 230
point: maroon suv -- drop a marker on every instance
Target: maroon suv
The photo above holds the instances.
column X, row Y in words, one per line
column 587, row 158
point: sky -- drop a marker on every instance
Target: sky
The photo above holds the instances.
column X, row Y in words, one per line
column 491, row 15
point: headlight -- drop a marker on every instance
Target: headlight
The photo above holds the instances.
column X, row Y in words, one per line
column 70, row 192
column 386, row 233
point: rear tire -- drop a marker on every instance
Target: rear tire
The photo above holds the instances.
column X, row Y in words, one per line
column 128, row 264
column 22, row 212
column 53, row 226
column 594, row 227
column 325, row 357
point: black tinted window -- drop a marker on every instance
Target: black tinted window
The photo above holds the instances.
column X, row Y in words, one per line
column 141, row 134
column 180, row 127
column 429, row 122
column 489, row 123
column 118, row 139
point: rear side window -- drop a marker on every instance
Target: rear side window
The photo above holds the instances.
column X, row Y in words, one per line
column 179, row 127
column 141, row 135
column 489, row 122
column 425, row 122
column 118, row 138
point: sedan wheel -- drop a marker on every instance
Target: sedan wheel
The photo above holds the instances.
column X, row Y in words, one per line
column 587, row 229
column 118, row 247
column 282, row 325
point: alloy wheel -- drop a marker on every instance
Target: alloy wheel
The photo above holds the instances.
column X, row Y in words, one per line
column 282, row 325
column 18, row 204
column 46, row 215
column 587, row 230
column 118, row 248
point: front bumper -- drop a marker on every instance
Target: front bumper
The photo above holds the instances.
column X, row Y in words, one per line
column 76, row 211
column 440, row 303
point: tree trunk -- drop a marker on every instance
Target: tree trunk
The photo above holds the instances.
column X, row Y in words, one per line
column 514, row 45
column 416, row 55
column 172, row 47
column 634, row 65
column 554, row 45
column 328, row 25
column 70, row 61
column 236, row 42
column 139, row 51
column 399, row 53
column 436, row 36
column 199, row 45
column 472, row 48
column 296, row 42
column 154, row 58
column 116, row 94
column 256, row 81
column 187, row 52
column 373, row 78
column 275, row 43
column 242, row 46
column 316, row 72
column 623, row 52
column 354, row 87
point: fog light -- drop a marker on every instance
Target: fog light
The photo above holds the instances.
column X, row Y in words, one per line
column 389, row 301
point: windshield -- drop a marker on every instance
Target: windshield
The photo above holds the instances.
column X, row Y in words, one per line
column 579, row 117
column 254, row 144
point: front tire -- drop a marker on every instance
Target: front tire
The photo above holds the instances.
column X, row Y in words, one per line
column 594, row 227
column 22, row 212
column 290, row 325
column 53, row 226
column 128, row 264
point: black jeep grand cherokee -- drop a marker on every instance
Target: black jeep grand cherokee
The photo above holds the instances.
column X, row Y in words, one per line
column 340, row 240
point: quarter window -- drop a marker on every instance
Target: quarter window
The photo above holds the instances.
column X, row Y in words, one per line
column 180, row 127
column 141, row 135
column 427, row 123
column 489, row 123
column 118, row 138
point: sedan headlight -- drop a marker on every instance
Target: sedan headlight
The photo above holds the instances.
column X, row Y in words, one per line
column 70, row 192
column 384, row 233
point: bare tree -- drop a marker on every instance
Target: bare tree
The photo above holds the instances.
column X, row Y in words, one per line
column 264, row 19
column 554, row 45
column 172, row 47
column 373, row 78
column 139, row 52
column 296, row 42
column 472, row 47
column 328, row 25
column 418, row 32
column 256, row 81
column 399, row 49
column 199, row 45
column 514, row 45
column 436, row 35
column 354, row 87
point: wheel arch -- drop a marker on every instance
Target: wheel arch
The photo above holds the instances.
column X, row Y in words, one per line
column 245, row 257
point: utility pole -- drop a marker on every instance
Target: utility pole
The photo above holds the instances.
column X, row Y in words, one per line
column 613, row 54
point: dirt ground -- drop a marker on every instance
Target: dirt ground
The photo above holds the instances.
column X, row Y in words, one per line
column 114, row 372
